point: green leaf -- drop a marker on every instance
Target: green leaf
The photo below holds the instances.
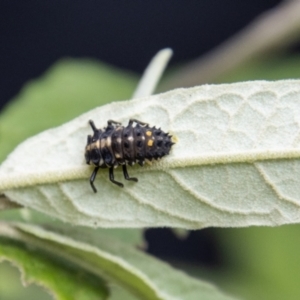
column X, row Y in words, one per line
column 134, row 271
column 69, row 88
column 235, row 163
column 133, row 237
column 61, row 280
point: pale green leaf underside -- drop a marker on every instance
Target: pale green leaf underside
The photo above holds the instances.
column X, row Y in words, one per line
column 236, row 162
column 145, row 277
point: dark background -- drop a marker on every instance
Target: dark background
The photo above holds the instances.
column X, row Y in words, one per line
column 126, row 34
column 35, row 34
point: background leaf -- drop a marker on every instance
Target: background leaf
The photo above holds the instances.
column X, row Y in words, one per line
column 68, row 88
column 271, row 68
column 61, row 280
column 133, row 237
column 144, row 276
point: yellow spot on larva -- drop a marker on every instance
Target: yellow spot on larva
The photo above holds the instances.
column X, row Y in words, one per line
column 150, row 143
column 149, row 133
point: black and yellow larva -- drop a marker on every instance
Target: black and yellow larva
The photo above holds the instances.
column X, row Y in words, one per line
column 117, row 145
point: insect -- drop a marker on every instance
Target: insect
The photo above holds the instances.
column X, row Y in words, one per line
column 117, row 145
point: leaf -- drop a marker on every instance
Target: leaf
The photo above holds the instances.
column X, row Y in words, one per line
column 235, row 163
column 60, row 280
column 134, row 271
column 133, row 237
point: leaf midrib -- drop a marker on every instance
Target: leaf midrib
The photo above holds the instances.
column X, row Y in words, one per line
column 14, row 181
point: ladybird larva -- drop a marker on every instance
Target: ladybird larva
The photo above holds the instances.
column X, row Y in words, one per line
column 117, row 145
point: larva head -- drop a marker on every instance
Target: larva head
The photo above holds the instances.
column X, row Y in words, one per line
column 92, row 150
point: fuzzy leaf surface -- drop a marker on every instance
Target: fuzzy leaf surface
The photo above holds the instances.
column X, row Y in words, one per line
column 235, row 162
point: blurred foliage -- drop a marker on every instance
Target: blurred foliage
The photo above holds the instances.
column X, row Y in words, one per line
column 132, row 236
column 11, row 287
column 274, row 68
column 62, row 280
column 262, row 262
column 68, row 89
